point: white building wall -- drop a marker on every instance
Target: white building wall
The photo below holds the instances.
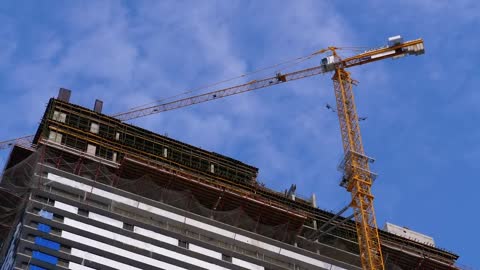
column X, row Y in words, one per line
column 246, row 264
column 76, row 266
column 101, row 260
column 207, row 252
column 118, row 251
column 195, row 223
column 65, row 207
column 106, row 220
column 409, row 234
column 156, row 236
column 132, row 242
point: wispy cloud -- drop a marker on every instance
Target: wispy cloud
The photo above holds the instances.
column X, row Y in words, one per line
column 130, row 55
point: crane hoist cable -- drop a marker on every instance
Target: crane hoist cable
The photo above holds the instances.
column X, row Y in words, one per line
column 206, row 86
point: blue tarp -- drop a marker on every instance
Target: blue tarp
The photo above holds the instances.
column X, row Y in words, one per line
column 45, row 257
column 47, row 243
column 44, row 228
column 34, row 267
column 46, row 214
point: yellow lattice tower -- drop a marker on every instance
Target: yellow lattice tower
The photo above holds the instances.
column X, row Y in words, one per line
column 357, row 176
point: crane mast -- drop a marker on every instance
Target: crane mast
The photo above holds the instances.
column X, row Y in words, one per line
column 357, row 177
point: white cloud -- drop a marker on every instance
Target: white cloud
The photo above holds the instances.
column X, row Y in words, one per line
column 131, row 56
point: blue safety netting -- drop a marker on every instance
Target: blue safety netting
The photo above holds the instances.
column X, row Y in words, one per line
column 45, row 257
column 44, row 228
column 46, row 214
column 47, row 243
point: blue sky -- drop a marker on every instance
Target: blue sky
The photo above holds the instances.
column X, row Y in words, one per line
column 423, row 112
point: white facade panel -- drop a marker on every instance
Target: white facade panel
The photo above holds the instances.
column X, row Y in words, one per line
column 156, row 236
column 55, row 136
column 161, row 212
column 115, row 197
column 205, row 251
column 94, row 128
column 119, row 251
column 245, row 264
column 101, row 260
column 88, row 228
column 68, row 182
column 59, row 116
column 209, row 228
column 256, row 243
column 138, row 230
column 409, row 234
column 305, row 259
column 106, row 220
column 91, row 149
column 195, row 223
column 76, row 266
column 66, row 207
column 136, row 243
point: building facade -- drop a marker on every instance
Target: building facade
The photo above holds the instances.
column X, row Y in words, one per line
column 96, row 193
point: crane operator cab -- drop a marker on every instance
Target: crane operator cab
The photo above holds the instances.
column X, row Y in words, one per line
column 395, row 40
column 329, row 63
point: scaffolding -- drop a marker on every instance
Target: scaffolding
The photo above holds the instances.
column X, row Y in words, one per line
column 111, row 139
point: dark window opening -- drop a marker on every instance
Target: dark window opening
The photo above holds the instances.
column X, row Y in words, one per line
column 83, row 212
column 227, row 258
column 183, row 244
column 127, row 226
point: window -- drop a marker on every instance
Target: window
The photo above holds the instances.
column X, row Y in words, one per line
column 55, row 136
column 44, row 199
column 82, row 212
column 91, row 149
column 94, row 128
column 183, row 244
column 59, row 116
column 227, row 258
column 127, row 226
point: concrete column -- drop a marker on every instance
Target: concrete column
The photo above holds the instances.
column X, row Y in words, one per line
column 314, row 204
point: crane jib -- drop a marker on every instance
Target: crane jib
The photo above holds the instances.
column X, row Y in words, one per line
column 363, row 58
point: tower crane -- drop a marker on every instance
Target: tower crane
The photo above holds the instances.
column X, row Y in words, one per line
column 357, row 177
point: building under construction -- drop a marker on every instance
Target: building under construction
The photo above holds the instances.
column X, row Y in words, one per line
column 93, row 192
